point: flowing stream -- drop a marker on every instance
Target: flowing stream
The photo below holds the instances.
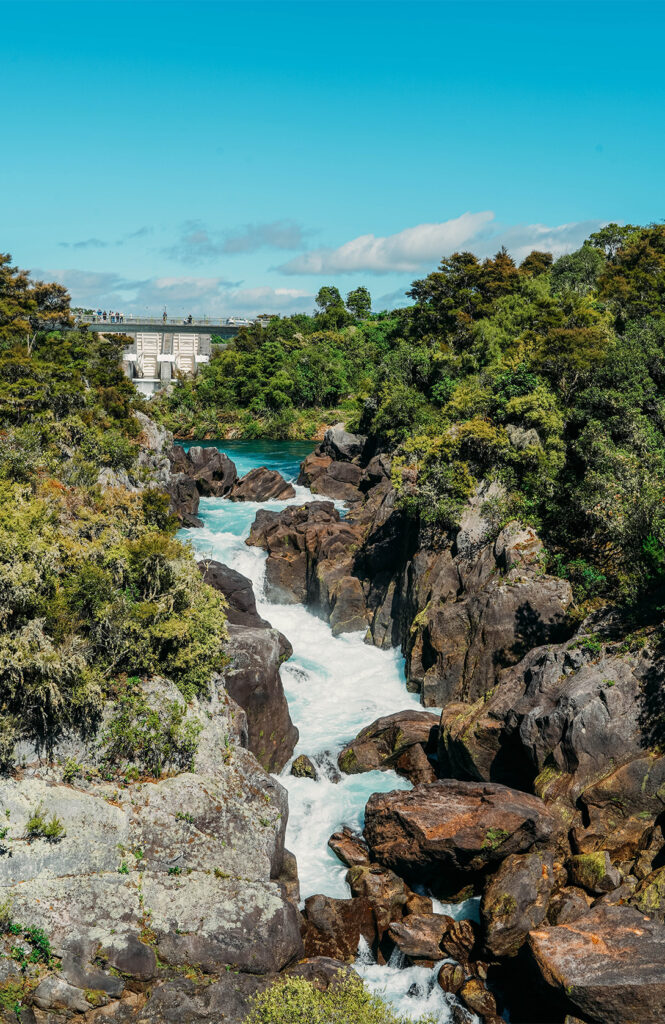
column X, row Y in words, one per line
column 334, row 686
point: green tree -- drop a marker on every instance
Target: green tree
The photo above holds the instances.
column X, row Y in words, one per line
column 327, row 298
column 536, row 263
column 578, row 271
column 359, row 303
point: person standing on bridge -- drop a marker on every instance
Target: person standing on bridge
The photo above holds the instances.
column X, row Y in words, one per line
column 189, row 319
column 164, row 317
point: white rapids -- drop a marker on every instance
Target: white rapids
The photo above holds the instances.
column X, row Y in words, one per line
column 334, row 686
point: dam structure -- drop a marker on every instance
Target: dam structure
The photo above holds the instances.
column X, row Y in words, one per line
column 164, row 347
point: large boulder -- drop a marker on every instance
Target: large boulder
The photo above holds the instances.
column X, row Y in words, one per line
column 212, row 471
column 238, row 591
column 349, row 847
column 333, row 927
column 253, row 680
column 179, row 867
column 427, row 938
column 569, row 722
column 606, row 965
column 262, row 484
column 383, row 889
column 342, row 445
column 310, row 559
column 401, row 741
column 338, row 480
column 516, row 900
column 184, row 496
column 447, row 830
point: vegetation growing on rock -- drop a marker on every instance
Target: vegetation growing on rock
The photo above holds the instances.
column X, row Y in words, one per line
column 345, row 1001
column 548, row 377
column 93, row 584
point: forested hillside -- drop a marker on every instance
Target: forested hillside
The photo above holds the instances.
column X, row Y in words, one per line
column 548, row 376
column 93, row 585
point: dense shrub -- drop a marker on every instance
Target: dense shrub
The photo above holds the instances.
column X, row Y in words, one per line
column 296, row 1001
column 93, row 585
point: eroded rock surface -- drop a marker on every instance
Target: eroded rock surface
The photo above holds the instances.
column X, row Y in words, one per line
column 401, row 741
column 178, row 867
column 212, row 471
column 252, row 678
column 606, row 965
column 450, row 828
column 262, row 484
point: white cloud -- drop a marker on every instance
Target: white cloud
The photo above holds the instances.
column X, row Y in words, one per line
column 520, row 239
column 407, row 250
column 199, row 295
column 423, row 246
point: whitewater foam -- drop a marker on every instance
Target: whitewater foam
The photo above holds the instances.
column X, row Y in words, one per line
column 334, row 686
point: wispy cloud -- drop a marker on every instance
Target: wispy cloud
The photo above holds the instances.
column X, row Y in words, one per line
column 422, row 246
column 201, row 295
column 100, row 243
column 197, row 243
column 86, row 243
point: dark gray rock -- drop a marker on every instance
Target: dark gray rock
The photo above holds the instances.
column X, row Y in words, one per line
column 516, row 900
column 238, row 591
column 262, row 484
column 253, row 680
column 212, row 471
column 184, row 496
column 400, row 741
column 342, row 445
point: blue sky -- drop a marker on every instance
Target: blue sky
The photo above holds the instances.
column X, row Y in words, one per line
column 232, row 157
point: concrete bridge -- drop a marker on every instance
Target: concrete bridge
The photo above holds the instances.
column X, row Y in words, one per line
column 162, row 346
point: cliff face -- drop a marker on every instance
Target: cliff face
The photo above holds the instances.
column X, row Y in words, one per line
column 550, row 798
column 149, row 875
column 461, row 606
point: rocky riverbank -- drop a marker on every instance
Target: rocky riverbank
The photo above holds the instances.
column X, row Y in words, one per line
column 549, row 799
column 165, row 893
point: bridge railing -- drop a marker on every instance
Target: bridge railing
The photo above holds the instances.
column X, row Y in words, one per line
column 170, row 321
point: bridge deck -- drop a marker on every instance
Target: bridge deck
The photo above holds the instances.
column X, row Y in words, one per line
column 131, row 325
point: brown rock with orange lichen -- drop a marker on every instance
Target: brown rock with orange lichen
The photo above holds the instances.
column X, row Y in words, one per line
column 448, row 828
column 608, row 965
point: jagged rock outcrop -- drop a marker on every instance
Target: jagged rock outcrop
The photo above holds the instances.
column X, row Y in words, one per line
column 252, row 678
column 238, row 591
column 335, row 468
column 184, row 499
column 255, row 651
column 212, row 471
column 309, row 550
column 462, row 606
column 482, row 613
column 401, row 741
column 261, row 484
column 440, row 833
column 177, row 867
column 516, row 900
column 333, row 927
column 606, row 965
column 568, row 721
column 427, row 938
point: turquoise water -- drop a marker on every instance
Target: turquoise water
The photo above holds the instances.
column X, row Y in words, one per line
column 284, row 456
